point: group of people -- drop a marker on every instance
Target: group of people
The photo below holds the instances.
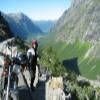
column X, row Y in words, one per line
column 31, row 57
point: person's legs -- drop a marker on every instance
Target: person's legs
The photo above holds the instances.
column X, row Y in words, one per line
column 32, row 74
column 32, row 82
column 5, row 82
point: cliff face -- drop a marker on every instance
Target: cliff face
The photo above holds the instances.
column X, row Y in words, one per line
column 81, row 20
column 5, row 31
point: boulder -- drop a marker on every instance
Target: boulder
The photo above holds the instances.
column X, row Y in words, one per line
column 54, row 89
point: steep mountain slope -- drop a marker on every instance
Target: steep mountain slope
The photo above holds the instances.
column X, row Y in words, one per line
column 81, row 21
column 45, row 26
column 76, row 38
column 5, row 31
column 22, row 26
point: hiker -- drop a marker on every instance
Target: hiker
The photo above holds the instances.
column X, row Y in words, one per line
column 32, row 62
column 5, row 72
column 23, row 61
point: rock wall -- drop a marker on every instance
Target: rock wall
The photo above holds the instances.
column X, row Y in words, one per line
column 54, row 89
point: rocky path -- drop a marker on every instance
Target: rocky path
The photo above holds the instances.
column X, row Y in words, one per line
column 26, row 94
column 39, row 93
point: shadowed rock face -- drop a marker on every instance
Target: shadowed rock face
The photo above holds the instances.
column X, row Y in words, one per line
column 72, row 64
column 5, row 31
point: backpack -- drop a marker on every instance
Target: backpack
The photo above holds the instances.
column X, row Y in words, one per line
column 32, row 60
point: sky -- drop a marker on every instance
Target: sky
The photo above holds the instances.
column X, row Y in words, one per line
column 36, row 9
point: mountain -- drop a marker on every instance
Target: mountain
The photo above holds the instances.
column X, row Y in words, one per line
column 81, row 20
column 22, row 26
column 76, row 38
column 5, row 31
column 45, row 26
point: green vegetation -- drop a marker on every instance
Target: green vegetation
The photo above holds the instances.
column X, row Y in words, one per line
column 87, row 65
column 80, row 23
column 86, row 93
column 81, row 90
column 54, row 53
column 21, row 45
column 50, row 61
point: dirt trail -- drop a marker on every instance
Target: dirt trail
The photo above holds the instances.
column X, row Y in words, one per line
column 25, row 94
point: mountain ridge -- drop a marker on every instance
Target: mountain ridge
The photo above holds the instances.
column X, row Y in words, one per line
column 5, row 31
column 22, row 26
column 80, row 21
column 45, row 25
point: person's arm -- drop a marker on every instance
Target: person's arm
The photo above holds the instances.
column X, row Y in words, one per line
column 38, row 57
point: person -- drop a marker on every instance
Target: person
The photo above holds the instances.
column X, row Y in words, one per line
column 4, row 75
column 32, row 62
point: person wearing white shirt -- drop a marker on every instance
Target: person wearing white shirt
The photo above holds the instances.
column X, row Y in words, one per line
column 32, row 62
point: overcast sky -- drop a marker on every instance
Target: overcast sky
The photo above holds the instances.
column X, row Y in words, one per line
column 36, row 9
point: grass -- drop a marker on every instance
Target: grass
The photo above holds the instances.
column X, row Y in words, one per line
column 88, row 67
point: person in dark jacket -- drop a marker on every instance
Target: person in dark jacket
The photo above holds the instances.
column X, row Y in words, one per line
column 32, row 62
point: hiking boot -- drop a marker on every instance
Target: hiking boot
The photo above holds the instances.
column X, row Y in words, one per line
column 32, row 88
